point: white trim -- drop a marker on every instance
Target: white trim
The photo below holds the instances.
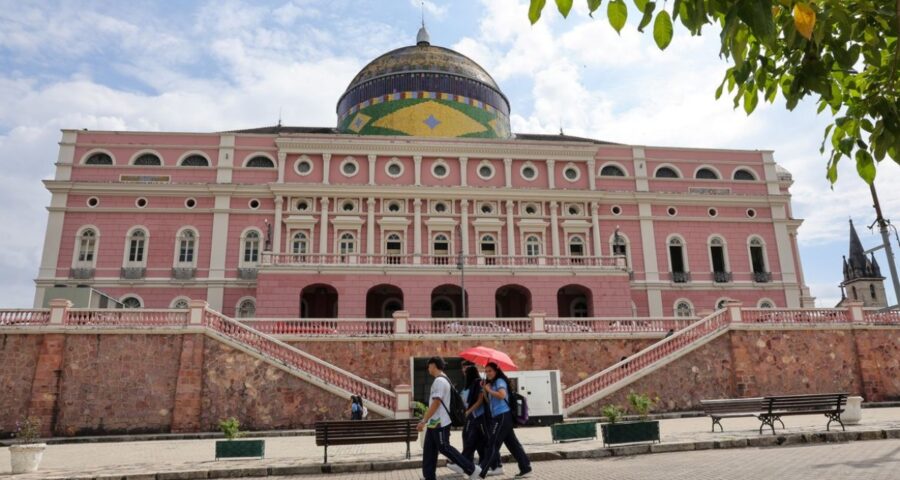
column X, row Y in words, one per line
column 193, row 263
column 138, row 200
column 250, row 204
column 613, row 164
column 386, row 206
column 189, row 199
column 720, row 300
column 684, row 253
column 685, row 300
column 489, row 165
column 585, row 251
column 710, row 167
column 709, row 246
column 177, row 299
column 138, row 297
column 748, row 169
column 237, row 306
column 529, row 164
column 571, row 165
column 243, row 238
column 339, row 206
column 302, row 159
column 627, row 241
column 191, row 153
column 259, row 154
column 712, row 212
column 669, row 165
column 766, row 299
column 442, row 162
column 495, row 209
column 446, row 234
column 612, row 210
column 755, row 213
column 389, row 163
column 670, row 209
column 125, row 254
column 495, row 236
column 97, row 150
column 93, row 262
column 448, row 207
column 385, row 237
column 292, row 240
column 162, row 161
column 765, row 253
column 538, row 210
column 88, row 202
column 346, row 160
column 578, row 206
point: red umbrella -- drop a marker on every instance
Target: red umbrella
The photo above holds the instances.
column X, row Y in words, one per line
column 484, row 355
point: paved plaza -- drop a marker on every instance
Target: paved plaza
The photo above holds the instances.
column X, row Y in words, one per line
column 128, row 458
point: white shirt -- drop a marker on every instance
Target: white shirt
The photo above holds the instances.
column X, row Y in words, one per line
column 440, row 389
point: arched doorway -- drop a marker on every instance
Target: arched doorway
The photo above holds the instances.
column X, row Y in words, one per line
column 574, row 301
column 446, row 302
column 512, row 301
column 319, row 301
column 383, row 300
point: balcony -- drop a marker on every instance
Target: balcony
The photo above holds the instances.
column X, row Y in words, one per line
column 448, row 262
column 762, row 277
column 133, row 273
column 248, row 273
column 81, row 273
column 722, row 277
column 184, row 273
column 680, row 277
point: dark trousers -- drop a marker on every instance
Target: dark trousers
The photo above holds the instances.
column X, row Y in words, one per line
column 437, row 440
column 502, row 433
column 476, row 439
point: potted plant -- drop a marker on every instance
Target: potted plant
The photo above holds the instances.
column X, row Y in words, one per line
column 641, row 430
column 26, row 456
column 234, row 448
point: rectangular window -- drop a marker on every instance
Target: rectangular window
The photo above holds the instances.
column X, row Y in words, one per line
column 677, row 258
column 136, row 251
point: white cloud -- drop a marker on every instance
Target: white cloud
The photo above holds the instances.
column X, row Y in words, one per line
column 433, row 10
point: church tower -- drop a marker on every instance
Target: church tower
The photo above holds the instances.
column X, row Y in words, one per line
column 862, row 276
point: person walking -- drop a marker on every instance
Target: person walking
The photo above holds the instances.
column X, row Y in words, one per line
column 475, row 431
column 436, row 424
column 496, row 393
column 356, row 408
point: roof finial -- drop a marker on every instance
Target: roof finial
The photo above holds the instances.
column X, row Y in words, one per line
column 422, row 38
column 422, row 3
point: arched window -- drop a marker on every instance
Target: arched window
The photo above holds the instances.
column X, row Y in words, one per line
column 148, row 160
column 684, row 309
column 706, row 174
column 677, row 260
column 187, row 243
column 300, row 245
column 719, row 261
column 872, row 291
column 131, row 302
column 742, row 174
column 246, row 309
column 99, row 158
column 855, row 295
column 576, row 248
column 181, row 304
column 251, row 248
column 195, row 161
column 488, row 249
column 441, row 249
column 137, row 243
column 260, row 162
column 721, row 303
column 666, row 172
column 765, row 303
column 612, row 171
column 579, row 308
column 532, row 248
column 87, row 245
column 393, row 246
column 346, row 246
column 758, row 262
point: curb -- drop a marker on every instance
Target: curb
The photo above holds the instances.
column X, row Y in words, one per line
column 762, row 441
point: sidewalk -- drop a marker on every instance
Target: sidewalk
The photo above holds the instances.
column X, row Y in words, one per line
column 184, row 459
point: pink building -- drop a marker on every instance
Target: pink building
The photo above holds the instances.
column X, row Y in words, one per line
column 422, row 176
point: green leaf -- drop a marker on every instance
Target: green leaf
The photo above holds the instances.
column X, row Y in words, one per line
column 593, row 5
column 564, row 6
column 865, row 166
column 640, row 4
column 757, row 14
column 751, row 98
column 662, row 30
column 534, row 10
column 832, row 174
column 617, row 12
column 648, row 9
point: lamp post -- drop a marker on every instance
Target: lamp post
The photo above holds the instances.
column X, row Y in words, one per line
column 461, row 265
column 884, row 227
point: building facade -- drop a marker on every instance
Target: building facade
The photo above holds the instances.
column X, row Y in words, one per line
column 420, row 189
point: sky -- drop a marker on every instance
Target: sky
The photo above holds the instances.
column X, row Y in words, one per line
column 221, row 65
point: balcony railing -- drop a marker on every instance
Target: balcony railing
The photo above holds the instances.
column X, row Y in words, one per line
column 133, row 273
column 79, row 273
column 448, row 261
column 184, row 273
column 722, row 277
column 762, row 277
column 247, row 273
column 680, row 277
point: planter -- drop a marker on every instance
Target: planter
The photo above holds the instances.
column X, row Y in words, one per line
column 853, row 411
column 573, row 431
column 240, row 448
column 630, row 432
column 26, row 458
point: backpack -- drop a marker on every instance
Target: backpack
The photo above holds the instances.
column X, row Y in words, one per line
column 457, row 410
column 518, row 405
column 365, row 412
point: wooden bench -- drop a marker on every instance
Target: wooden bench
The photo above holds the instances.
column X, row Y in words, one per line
column 829, row 404
column 365, row 431
column 732, row 408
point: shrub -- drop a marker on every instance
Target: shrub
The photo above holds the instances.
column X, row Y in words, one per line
column 28, row 429
column 612, row 413
column 231, row 427
column 641, row 404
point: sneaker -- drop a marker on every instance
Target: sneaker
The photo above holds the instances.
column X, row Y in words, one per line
column 495, row 471
column 476, row 473
column 524, row 474
column 455, row 468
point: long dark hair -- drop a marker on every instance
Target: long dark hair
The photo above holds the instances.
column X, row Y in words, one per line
column 472, row 376
column 499, row 374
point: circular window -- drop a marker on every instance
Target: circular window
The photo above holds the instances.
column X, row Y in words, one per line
column 349, row 167
column 303, row 166
column 254, row 204
column 616, row 210
column 487, row 208
column 141, row 202
column 440, row 170
column 302, row 205
column 486, row 171
column 440, row 207
column 190, row 203
column 529, row 172
column 93, row 202
column 394, row 207
column 571, row 173
column 672, row 211
column 530, row 209
column 348, row 206
column 751, row 213
column 712, row 212
column 574, row 210
column 394, row 169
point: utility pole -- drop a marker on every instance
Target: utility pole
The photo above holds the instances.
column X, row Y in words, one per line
column 883, row 227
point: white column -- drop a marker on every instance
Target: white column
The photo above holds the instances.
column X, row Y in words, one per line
column 279, row 205
column 464, row 226
column 323, row 227
column 640, row 169
column 326, row 167
column 53, row 243
column 215, row 294
column 595, row 226
column 507, row 170
column 66, row 157
column 225, row 163
column 370, row 226
column 463, row 171
column 592, row 174
column 417, row 230
column 417, row 162
column 372, row 159
column 554, row 228
column 510, row 229
column 648, row 242
column 282, row 160
column 551, row 174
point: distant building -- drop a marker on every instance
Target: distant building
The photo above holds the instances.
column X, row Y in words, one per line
column 862, row 276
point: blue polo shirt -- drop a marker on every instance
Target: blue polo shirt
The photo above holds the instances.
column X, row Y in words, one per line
column 499, row 406
column 471, row 395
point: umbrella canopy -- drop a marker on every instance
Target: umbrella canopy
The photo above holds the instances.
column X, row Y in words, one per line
column 484, row 355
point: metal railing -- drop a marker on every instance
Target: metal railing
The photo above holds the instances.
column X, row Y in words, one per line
column 450, row 261
column 680, row 277
column 616, row 325
column 799, row 315
column 468, row 326
column 322, row 327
